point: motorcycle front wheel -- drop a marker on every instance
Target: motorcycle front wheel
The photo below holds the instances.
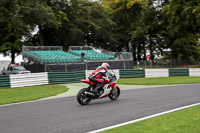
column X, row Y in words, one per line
column 82, row 98
column 114, row 94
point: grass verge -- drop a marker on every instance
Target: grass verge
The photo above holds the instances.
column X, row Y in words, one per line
column 159, row 81
column 184, row 121
column 13, row 95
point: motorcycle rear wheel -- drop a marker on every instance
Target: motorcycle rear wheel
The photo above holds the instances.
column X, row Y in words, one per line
column 82, row 98
column 114, row 94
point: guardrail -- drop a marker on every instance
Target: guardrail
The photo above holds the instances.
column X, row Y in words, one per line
column 131, row 73
column 178, row 72
column 194, row 72
column 4, row 81
column 151, row 73
column 20, row 80
column 65, row 77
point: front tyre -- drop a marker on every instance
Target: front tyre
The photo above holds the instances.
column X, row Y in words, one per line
column 82, row 98
column 114, row 94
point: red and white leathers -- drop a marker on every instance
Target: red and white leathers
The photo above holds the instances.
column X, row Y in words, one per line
column 98, row 76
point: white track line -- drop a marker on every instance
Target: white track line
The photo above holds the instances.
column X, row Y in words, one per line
column 144, row 118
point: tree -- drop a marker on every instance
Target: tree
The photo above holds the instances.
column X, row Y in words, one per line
column 147, row 31
column 17, row 19
column 125, row 14
column 88, row 24
column 183, row 28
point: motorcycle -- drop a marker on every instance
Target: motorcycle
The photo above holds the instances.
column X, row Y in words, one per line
column 110, row 90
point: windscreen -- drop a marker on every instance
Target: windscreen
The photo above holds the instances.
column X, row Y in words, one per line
column 20, row 68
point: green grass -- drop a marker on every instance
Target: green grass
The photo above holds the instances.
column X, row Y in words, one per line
column 160, row 81
column 184, row 121
column 13, row 95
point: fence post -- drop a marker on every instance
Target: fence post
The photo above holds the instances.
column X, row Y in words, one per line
column 45, row 68
column 124, row 65
column 65, row 67
column 86, row 67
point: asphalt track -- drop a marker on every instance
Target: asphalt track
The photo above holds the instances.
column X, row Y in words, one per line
column 65, row 115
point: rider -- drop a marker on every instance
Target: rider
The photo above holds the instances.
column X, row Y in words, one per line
column 98, row 76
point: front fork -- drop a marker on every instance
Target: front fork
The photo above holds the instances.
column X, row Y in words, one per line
column 114, row 90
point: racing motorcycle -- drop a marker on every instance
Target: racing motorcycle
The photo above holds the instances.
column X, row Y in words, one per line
column 110, row 90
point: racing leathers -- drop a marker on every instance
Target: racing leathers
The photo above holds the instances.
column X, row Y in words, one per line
column 99, row 77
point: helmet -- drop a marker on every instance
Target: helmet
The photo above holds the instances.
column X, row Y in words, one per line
column 105, row 65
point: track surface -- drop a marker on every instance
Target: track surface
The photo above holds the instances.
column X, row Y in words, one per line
column 65, row 115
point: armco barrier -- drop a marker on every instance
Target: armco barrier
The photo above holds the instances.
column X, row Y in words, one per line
column 194, row 72
column 4, row 81
column 130, row 73
column 31, row 79
column 150, row 73
column 179, row 72
column 65, row 77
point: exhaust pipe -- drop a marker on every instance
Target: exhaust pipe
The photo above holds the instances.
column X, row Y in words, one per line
column 89, row 93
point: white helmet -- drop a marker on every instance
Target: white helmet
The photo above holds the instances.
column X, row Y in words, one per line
column 105, row 65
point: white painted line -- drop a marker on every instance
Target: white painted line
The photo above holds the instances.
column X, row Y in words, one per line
column 144, row 118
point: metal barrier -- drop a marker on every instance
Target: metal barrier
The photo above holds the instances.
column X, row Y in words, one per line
column 130, row 73
column 4, row 81
column 65, row 77
column 20, row 80
column 32, row 79
column 179, row 72
column 194, row 72
column 150, row 73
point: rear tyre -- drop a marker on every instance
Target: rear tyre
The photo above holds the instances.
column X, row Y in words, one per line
column 114, row 94
column 82, row 98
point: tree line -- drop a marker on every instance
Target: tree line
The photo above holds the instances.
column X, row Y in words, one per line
column 135, row 26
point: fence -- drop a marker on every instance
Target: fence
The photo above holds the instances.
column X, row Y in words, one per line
column 70, row 67
column 163, row 63
column 32, row 79
column 41, row 48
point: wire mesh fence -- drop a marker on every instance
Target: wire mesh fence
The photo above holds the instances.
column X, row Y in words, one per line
column 165, row 63
column 42, row 48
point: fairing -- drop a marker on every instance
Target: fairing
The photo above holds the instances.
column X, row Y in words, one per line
column 87, row 81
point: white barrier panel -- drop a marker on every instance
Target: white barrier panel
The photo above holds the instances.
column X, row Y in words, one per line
column 194, row 71
column 20, row 80
column 149, row 73
column 88, row 72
